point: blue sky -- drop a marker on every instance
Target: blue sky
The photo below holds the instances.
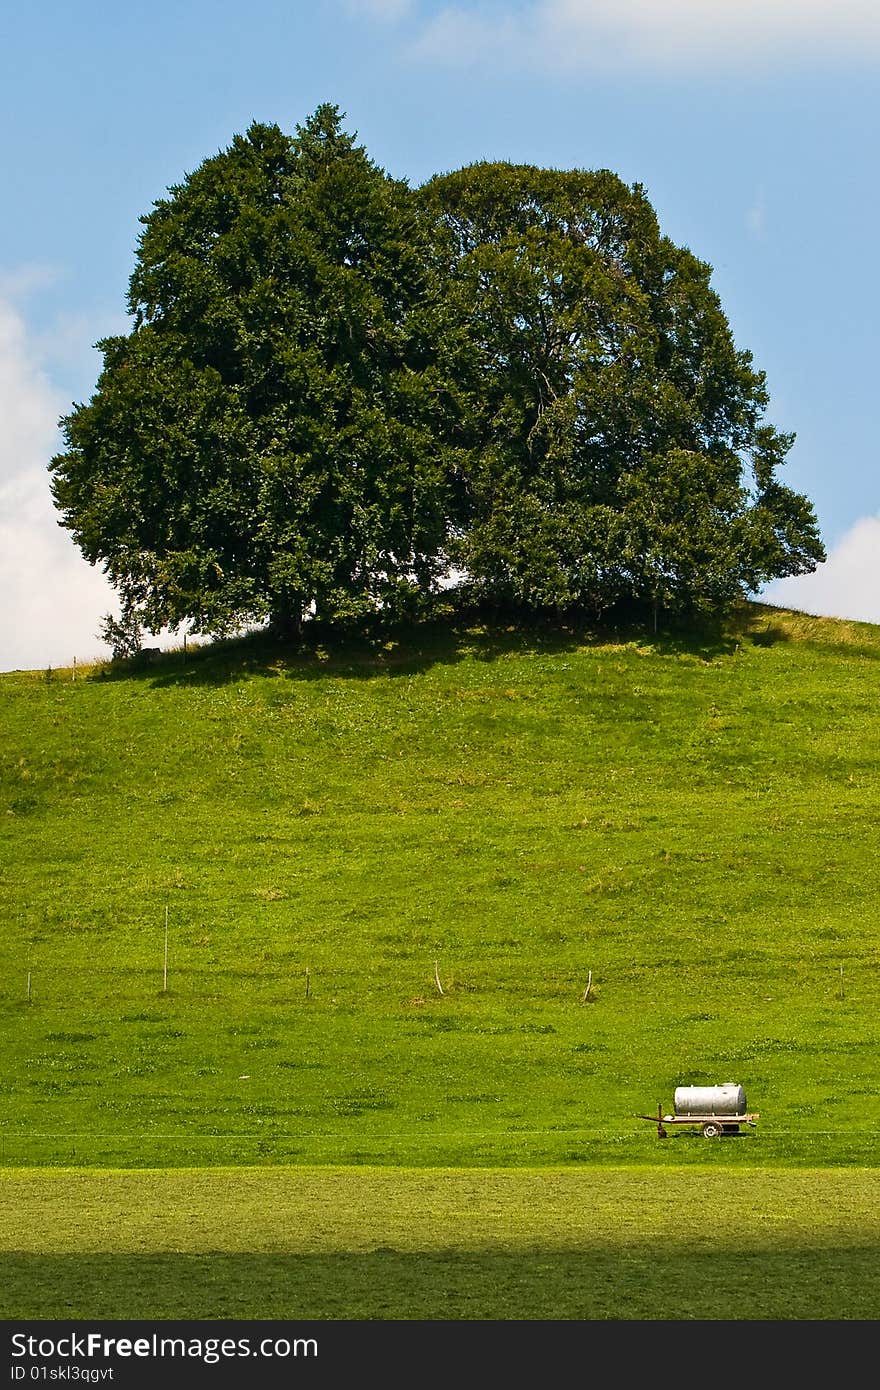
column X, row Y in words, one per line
column 753, row 125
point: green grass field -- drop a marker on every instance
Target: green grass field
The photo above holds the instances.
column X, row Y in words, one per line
column 503, row 811
column 390, row 1243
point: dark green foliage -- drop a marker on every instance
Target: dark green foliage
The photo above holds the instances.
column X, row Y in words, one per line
column 267, row 436
column 617, row 453
column 337, row 389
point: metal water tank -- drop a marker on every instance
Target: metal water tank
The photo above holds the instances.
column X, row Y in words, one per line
column 727, row 1099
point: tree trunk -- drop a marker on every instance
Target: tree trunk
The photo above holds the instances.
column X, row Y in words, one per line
column 287, row 618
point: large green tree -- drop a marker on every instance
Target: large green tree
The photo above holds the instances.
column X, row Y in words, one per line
column 337, row 388
column 269, row 437
column 617, row 451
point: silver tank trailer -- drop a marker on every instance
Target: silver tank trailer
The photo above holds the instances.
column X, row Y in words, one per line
column 727, row 1099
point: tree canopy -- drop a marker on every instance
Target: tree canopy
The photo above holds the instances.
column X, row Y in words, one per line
column 337, row 388
column 268, row 434
column 616, row 446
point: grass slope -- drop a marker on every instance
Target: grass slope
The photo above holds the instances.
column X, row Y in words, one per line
column 695, row 824
column 357, row 1243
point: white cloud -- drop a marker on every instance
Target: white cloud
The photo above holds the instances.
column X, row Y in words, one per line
column 671, row 35
column 847, row 585
column 51, row 601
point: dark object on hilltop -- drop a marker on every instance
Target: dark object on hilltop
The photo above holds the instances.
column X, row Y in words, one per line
column 339, row 391
column 716, row 1110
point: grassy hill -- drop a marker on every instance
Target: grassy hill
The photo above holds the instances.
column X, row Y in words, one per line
column 493, row 813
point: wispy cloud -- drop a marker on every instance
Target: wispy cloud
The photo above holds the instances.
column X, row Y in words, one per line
column 847, row 585
column 669, row 35
column 51, row 601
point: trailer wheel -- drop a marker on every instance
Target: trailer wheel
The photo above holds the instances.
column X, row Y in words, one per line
column 712, row 1130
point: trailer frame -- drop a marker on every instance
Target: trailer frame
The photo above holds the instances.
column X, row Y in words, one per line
column 713, row 1126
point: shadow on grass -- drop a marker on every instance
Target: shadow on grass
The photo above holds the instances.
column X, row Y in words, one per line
column 643, row 1281
column 769, row 635
column 769, row 625
column 454, row 634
